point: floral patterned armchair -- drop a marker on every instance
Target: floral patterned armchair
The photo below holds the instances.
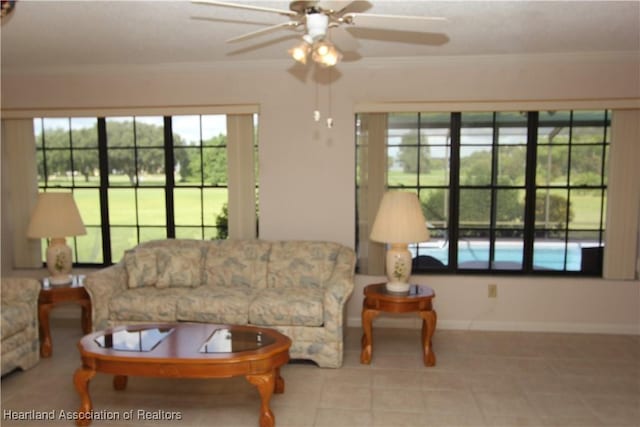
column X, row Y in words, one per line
column 19, row 329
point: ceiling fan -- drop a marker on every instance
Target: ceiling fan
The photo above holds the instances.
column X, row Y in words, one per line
column 316, row 18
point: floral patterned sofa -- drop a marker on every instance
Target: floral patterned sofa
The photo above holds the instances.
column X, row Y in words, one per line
column 19, row 329
column 299, row 288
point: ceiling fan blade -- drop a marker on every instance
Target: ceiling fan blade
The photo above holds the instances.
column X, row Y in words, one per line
column 335, row 5
column 389, row 21
column 246, row 7
column 341, row 7
column 343, row 40
column 290, row 24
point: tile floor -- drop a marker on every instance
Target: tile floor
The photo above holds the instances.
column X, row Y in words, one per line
column 481, row 379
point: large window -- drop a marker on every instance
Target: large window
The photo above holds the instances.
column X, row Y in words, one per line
column 137, row 178
column 501, row 191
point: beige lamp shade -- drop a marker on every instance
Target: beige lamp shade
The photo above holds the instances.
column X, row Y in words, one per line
column 55, row 215
column 399, row 219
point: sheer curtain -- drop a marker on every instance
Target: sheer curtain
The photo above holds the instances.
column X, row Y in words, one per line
column 621, row 254
column 19, row 194
column 241, row 167
column 372, row 179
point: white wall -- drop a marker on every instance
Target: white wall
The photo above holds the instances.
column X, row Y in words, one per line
column 307, row 171
column 522, row 304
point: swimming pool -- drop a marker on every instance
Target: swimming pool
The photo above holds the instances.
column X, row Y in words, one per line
column 508, row 254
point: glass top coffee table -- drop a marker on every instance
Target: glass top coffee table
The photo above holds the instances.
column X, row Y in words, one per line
column 184, row 350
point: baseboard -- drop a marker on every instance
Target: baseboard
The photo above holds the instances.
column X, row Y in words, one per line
column 484, row 325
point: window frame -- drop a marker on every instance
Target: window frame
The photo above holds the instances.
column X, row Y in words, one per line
column 104, row 186
column 530, row 188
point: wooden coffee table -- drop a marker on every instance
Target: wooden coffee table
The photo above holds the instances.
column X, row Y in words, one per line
column 184, row 350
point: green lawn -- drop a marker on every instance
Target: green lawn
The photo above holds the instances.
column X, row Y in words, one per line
column 585, row 204
column 193, row 208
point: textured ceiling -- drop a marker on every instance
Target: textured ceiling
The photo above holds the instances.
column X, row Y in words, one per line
column 42, row 35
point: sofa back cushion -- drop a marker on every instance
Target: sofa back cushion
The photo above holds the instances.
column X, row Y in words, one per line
column 180, row 266
column 294, row 264
column 142, row 267
column 169, row 263
column 236, row 263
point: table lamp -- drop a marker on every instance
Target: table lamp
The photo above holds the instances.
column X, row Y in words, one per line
column 56, row 217
column 399, row 221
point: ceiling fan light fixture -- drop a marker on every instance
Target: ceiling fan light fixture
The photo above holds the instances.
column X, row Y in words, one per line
column 322, row 48
column 326, row 54
column 300, row 52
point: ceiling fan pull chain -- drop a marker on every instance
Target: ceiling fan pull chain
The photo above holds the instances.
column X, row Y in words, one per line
column 330, row 118
column 316, row 111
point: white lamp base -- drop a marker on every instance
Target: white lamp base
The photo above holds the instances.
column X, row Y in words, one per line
column 398, row 267
column 59, row 261
column 398, row 287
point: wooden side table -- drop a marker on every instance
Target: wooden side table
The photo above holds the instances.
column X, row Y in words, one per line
column 49, row 297
column 419, row 299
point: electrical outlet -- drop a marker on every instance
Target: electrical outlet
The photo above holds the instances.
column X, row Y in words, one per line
column 493, row 290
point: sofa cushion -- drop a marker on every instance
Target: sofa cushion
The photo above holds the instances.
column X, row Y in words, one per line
column 215, row 305
column 146, row 304
column 295, row 264
column 141, row 266
column 237, row 263
column 16, row 317
column 281, row 307
column 179, row 267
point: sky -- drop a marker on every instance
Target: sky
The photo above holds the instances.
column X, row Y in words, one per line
column 188, row 127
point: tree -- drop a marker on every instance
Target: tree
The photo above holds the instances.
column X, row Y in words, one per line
column 124, row 159
column 409, row 154
column 58, row 157
column 214, row 162
column 552, row 210
column 222, row 222
column 85, row 161
column 149, row 139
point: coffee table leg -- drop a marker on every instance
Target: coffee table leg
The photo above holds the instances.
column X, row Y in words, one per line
column 86, row 318
column 279, row 385
column 367, row 337
column 429, row 319
column 120, row 382
column 266, row 385
column 81, row 381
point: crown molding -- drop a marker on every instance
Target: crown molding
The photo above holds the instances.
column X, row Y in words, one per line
column 285, row 63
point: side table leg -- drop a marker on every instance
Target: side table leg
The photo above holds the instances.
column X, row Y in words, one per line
column 367, row 337
column 265, row 384
column 81, row 381
column 45, row 330
column 429, row 320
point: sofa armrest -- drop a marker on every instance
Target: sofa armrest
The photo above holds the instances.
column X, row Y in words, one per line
column 22, row 289
column 338, row 289
column 102, row 285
